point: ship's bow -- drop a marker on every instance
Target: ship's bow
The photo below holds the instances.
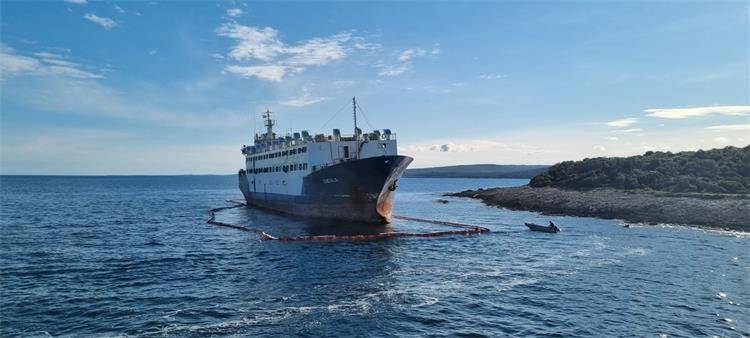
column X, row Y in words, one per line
column 358, row 190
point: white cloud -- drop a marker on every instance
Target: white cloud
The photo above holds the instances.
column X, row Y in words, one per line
column 263, row 44
column 403, row 61
column 119, row 9
column 234, row 12
column 611, row 138
column 491, row 76
column 70, row 72
column 318, row 51
column 361, row 44
column 105, row 22
column 51, row 82
column 472, row 151
column 48, row 55
column 393, row 70
column 460, row 147
column 60, row 62
column 411, row 53
column 12, row 64
column 730, row 127
column 721, row 139
column 631, row 130
column 622, row 122
column 253, row 42
column 77, row 2
column 681, row 113
column 599, row 148
column 305, row 99
column 44, row 64
column 656, row 148
column 552, row 144
column 269, row 72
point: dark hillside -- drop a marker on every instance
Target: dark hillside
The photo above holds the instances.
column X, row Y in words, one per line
column 725, row 171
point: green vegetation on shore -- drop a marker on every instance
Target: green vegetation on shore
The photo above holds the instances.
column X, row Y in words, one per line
column 479, row 171
column 722, row 171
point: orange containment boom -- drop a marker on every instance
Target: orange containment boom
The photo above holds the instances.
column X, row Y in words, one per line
column 468, row 230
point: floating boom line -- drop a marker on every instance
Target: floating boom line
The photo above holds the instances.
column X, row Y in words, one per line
column 468, row 230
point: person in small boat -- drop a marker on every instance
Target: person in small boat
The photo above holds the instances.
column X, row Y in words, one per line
column 553, row 226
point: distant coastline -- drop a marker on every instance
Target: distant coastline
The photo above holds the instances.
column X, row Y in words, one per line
column 479, row 171
column 702, row 188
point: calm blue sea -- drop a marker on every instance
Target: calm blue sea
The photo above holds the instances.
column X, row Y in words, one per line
column 110, row 256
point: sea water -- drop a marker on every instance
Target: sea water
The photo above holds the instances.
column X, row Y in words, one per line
column 110, row 256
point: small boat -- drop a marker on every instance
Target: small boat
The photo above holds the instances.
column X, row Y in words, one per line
column 542, row 228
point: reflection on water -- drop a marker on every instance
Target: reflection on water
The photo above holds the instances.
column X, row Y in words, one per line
column 133, row 255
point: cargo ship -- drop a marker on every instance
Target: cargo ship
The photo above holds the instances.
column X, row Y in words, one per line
column 333, row 177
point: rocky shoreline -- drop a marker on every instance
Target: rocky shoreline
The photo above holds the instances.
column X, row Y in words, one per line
column 723, row 213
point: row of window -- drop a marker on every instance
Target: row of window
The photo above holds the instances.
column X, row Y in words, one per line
column 284, row 168
column 279, row 154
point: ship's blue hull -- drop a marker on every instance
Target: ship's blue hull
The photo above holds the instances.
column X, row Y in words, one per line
column 357, row 190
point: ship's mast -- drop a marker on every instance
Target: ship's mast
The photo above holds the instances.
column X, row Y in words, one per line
column 356, row 134
column 269, row 124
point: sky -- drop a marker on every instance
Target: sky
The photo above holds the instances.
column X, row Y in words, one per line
column 93, row 88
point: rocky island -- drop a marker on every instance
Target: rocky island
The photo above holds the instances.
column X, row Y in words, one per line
column 704, row 188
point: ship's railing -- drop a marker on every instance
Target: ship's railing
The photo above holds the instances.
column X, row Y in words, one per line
column 352, row 137
column 317, row 138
